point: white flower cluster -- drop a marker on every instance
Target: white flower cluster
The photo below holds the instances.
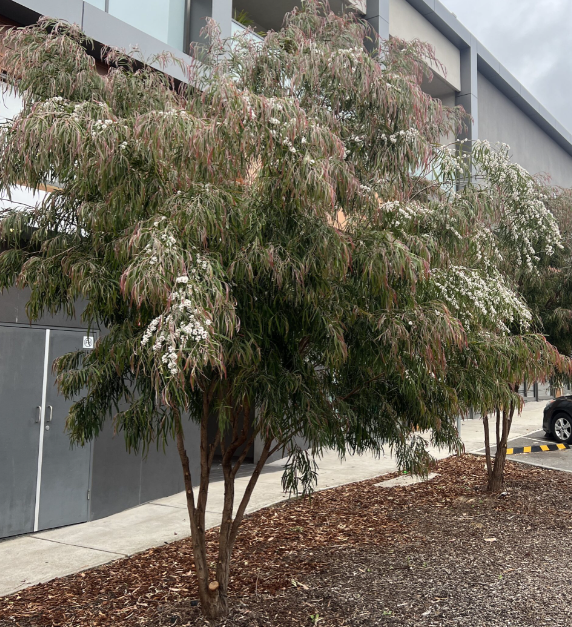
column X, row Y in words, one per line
column 403, row 213
column 280, row 134
column 100, row 126
column 56, row 104
column 81, row 109
column 467, row 292
column 350, row 57
column 486, row 249
column 409, row 136
column 357, row 139
column 172, row 113
column 314, row 49
column 526, row 221
column 162, row 241
column 250, row 111
column 448, row 165
column 184, row 328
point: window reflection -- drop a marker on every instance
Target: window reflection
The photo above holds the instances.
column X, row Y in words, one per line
column 164, row 20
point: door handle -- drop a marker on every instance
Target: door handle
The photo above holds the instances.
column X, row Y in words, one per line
column 51, row 413
column 39, row 417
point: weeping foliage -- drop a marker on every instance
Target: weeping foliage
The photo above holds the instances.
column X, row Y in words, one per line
column 284, row 233
column 280, row 248
column 549, row 291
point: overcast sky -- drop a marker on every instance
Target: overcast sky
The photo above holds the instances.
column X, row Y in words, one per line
column 532, row 39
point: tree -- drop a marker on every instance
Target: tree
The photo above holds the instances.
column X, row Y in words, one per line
column 549, row 291
column 521, row 254
column 280, row 248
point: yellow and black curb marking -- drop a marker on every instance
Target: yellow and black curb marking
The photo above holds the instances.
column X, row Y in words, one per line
column 537, row 449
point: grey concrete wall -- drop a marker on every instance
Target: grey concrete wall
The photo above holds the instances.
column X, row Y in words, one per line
column 219, row 10
column 500, row 120
column 405, row 22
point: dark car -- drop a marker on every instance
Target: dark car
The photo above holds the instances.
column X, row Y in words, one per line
column 557, row 421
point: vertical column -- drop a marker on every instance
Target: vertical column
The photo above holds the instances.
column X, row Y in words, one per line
column 468, row 96
column 42, row 427
column 200, row 10
column 377, row 14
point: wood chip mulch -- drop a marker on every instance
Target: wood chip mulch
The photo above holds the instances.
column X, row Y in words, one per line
column 440, row 553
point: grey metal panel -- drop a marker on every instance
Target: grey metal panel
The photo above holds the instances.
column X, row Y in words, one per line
column 280, row 453
column 445, row 22
column 486, row 58
column 121, row 480
column 544, row 391
column 490, row 67
column 511, row 82
column 377, row 14
column 116, row 475
column 18, row 13
column 21, row 374
column 111, row 31
column 468, row 96
column 505, row 82
column 161, row 471
column 423, row 6
column 13, row 310
column 468, row 70
column 65, row 470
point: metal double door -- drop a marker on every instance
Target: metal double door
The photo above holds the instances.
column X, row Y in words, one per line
column 44, row 482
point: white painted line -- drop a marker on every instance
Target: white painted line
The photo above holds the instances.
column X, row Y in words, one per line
column 42, row 422
column 477, row 451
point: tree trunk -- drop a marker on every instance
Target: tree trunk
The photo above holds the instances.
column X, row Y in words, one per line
column 213, row 593
column 487, row 447
column 496, row 478
column 196, row 517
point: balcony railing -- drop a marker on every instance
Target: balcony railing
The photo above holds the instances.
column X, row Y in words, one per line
column 238, row 28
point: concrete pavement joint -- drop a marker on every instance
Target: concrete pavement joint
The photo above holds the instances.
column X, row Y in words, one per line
column 183, row 507
column 79, row 546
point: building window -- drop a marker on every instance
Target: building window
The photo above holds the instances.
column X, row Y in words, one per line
column 20, row 197
column 162, row 19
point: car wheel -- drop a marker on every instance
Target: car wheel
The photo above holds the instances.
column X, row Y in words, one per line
column 562, row 428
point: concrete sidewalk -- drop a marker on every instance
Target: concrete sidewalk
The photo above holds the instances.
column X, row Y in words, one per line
column 39, row 557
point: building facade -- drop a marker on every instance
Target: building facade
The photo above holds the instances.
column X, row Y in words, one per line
column 43, row 482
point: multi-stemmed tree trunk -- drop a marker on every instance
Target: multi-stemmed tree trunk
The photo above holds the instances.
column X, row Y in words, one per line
column 213, row 585
column 503, row 423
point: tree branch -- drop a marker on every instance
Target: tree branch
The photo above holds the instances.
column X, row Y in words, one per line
column 248, row 492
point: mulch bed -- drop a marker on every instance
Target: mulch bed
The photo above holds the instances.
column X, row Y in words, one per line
column 441, row 553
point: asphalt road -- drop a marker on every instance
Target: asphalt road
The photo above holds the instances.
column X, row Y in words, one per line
column 557, row 460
